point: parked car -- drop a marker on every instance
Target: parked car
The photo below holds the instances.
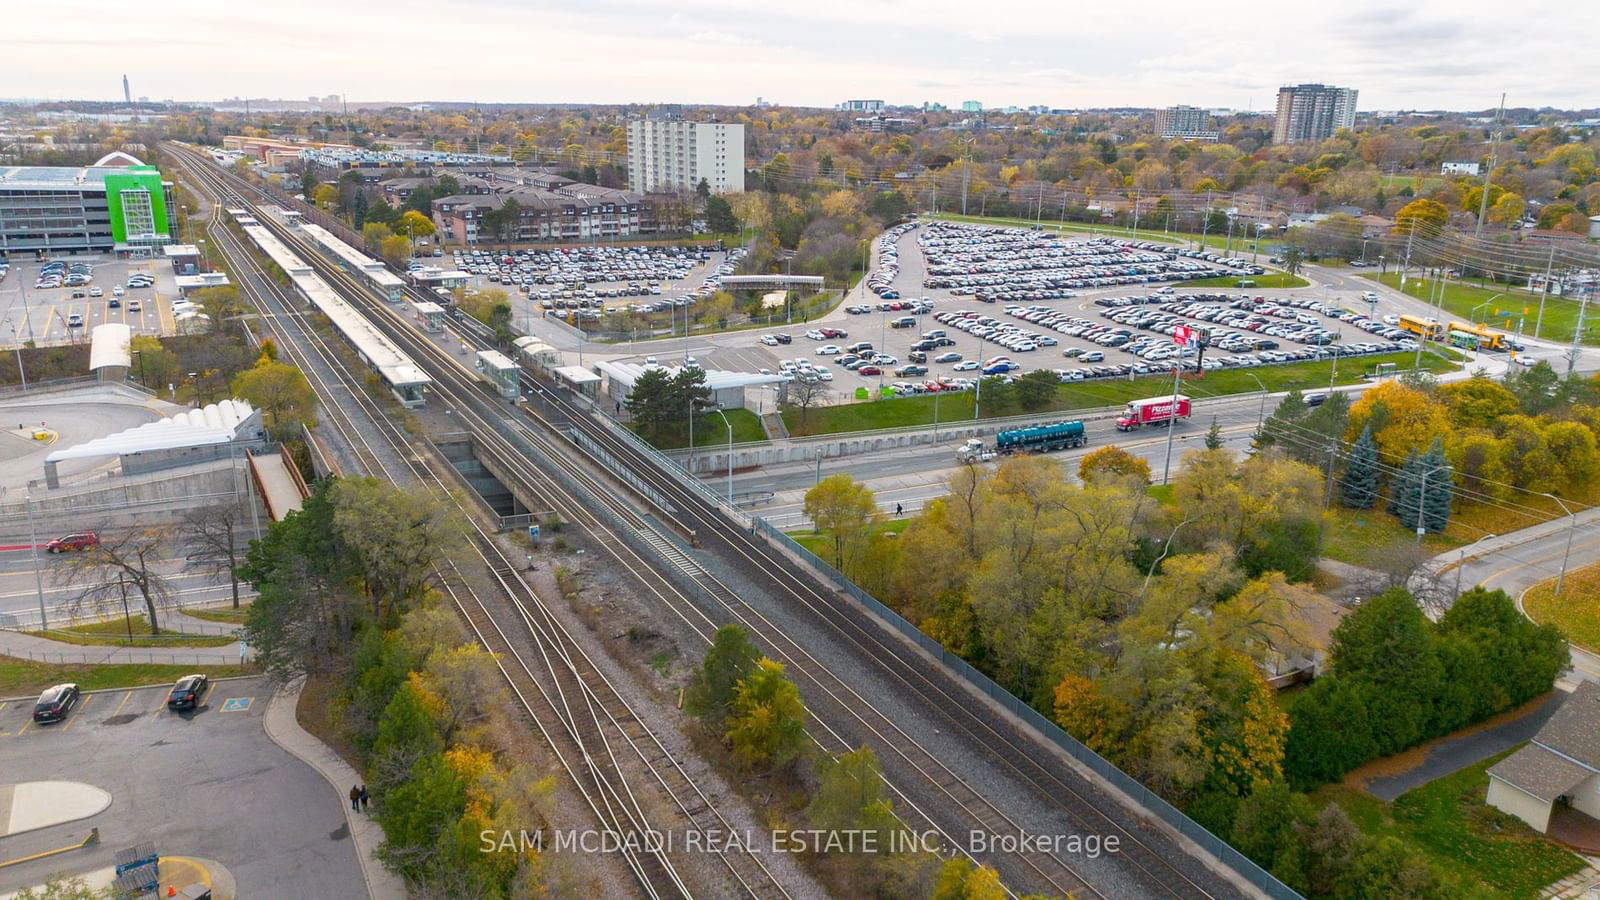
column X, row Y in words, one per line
column 54, row 704
column 187, row 692
column 82, row 540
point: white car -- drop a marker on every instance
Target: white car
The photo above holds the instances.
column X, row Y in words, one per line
column 824, row 373
column 134, row 306
column 816, row 335
column 828, row 350
column 1391, row 320
column 769, row 340
column 117, row 291
column 966, row 366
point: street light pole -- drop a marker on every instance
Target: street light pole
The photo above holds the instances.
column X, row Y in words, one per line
column 1261, row 414
column 1422, row 496
column 1567, row 554
column 718, row 411
column 33, row 547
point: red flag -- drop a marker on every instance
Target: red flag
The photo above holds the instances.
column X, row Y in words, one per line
column 1180, row 335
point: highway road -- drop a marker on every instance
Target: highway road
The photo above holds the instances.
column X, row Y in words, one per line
column 19, row 589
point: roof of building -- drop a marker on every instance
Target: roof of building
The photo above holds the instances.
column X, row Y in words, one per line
column 202, row 280
column 426, row 308
column 110, row 345
column 1535, row 770
column 1564, row 752
column 213, row 424
column 576, row 374
column 496, row 359
column 1574, row 730
column 181, row 250
column 716, row 379
column 117, row 159
column 62, row 177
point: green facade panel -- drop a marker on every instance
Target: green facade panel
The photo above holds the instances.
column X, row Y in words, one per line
column 140, row 179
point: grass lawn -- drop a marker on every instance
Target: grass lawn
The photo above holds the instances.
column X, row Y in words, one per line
column 1461, row 298
column 1492, row 853
column 898, row 412
column 1354, row 535
column 1213, row 241
column 224, row 614
column 1577, row 612
column 821, row 544
column 1271, row 280
column 710, row 432
column 114, row 633
column 24, row 677
column 1419, row 184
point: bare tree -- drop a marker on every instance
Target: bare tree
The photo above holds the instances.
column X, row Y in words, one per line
column 216, row 544
column 121, row 562
column 804, row 393
column 1404, row 564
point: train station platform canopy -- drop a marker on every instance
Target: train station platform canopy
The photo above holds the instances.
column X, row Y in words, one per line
column 110, row 351
column 726, row 387
column 770, row 282
column 217, row 423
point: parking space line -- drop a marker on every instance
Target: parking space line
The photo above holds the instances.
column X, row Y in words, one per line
column 125, row 698
column 211, row 687
column 25, row 724
column 161, row 703
column 73, row 719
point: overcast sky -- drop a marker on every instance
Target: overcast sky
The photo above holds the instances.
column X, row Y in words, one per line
column 1459, row 54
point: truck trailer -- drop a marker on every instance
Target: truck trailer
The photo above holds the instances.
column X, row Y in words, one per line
column 1166, row 410
column 1042, row 438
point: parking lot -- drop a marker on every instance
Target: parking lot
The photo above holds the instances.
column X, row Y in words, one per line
column 206, row 783
column 947, row 305
column 588, row 280
column 31, row 309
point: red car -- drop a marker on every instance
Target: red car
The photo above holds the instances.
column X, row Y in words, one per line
column 869, row 370
column 834, row 333
column 81, row 541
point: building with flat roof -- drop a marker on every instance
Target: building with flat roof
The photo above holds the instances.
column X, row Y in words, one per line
column 972, row 106
column 1187, row 123
column 866, row 106
column 674, row 155
column 116, row 205
column 1313, row 112
column 574, row 212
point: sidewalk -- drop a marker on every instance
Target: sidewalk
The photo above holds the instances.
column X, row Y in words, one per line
column 26, row 646
column 286, row 732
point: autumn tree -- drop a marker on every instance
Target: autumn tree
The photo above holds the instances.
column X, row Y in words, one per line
column 1112, row 461
column 1402, row 419
column 851, row 796
column 281, row 392
column 767, row 725
column 844, row 509
column 397, row 536
column 1428, row 217
column 155, row 365
column 395, row 250
column 413, row 225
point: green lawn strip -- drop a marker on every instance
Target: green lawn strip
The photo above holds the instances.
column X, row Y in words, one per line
column 1275, row 280
column 224, row 614
column 821, row 542
column 899, row 412
column 1466, row 302
column 1354, row 535
column 25, row 677
column 1576, row 612
column 114, row 633
column 1448, row 822
column 1419, row 184
column 1213, row 241
column 709, row 431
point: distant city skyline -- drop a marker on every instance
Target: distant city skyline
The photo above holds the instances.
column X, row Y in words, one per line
column 727, row 52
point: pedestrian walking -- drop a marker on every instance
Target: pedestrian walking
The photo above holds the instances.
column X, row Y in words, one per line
column 898, row 509
column 355, row 797
column 365, row 798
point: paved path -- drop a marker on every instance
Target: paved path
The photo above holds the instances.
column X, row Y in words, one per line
column 286, row 732
column 1449, row 754
column 26, row 646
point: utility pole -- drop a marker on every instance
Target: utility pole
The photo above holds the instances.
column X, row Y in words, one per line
column 1577, row 333
column 1405, row 266
column 1494, row 145
column 1550, row 262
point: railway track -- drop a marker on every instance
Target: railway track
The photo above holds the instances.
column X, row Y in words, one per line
column 594, row 732
column 693, row 509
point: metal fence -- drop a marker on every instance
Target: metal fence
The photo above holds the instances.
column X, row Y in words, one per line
column 1123, row 782
column 146, row 655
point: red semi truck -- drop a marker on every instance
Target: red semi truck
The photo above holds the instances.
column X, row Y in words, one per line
column 1153, row 411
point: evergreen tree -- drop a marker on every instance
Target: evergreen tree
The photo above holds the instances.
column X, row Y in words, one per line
column 1440, row 484
column 1405, row 491
column 1282, row 427
column 1214, row 435
column 1359, row 487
